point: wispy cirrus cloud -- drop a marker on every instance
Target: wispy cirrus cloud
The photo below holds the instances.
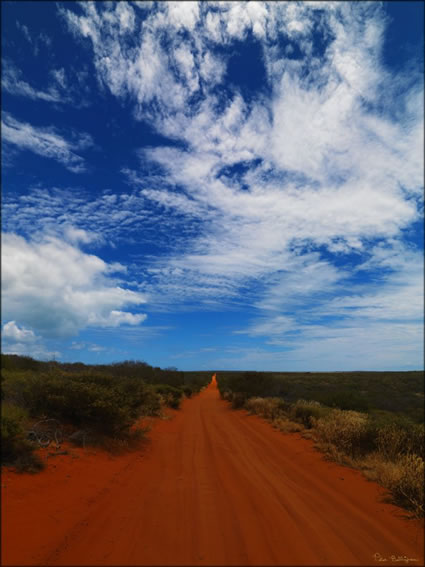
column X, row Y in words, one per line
column 46, row 142
column 106, row 218
column 356, row 345
column 13, row 83
column 42, row 40
column 309, row 154
column 61, row 87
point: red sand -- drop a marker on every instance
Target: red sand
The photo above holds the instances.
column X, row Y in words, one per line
column 212, row 487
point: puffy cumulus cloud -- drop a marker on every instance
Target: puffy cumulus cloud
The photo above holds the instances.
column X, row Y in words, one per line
column 116, row 318
column 54, row 288
column 11, row 331
column 79, row 235
column 46, row 142
column 183, row 14
column 20, row 340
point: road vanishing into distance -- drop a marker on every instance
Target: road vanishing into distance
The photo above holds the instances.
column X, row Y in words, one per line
column 211, row 486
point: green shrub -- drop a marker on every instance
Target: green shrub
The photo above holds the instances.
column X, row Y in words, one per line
column 170, row 395
column 151, row 405
column 12, row 430
column 15, row 449
column 100, row 402
column 252, row 384
column 346, row 400
column 187, row 390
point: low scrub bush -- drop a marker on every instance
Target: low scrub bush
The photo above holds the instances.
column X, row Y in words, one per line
column 286, row 426
column 238, row 400
column 99, row 402
column 393, row 440
column 187, row 390
column 252, row 384
column 15, row 449
column 346, row 400
column 226, row 395
column 404, row 478
column 269, row 408
column 306, row 412
column 345, row 430
column 408, row 486
column 151, row 405
column 170, row 396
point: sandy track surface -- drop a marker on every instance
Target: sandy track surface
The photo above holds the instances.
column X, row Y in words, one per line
column 212, row 487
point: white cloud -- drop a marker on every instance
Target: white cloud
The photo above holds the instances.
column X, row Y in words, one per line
column 364, row 346
column 46, row 142
column 78, row 235
column 20, row 340
column 126, row 17
column 60, row 86
column 183, row 14
column 116, row 318
column 12, row 82
column 59, row 76
column 35, row 350
column 92, row 347
column 329, row 159
column 25, row 31
column 273, row 326
column 36, row 41
column 57, row 290
column 11, row 331
column 373, row 325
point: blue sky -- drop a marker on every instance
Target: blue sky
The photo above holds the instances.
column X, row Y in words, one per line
column 214, row 185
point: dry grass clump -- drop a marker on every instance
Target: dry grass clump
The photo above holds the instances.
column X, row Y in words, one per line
column 226, row 395
column 286, row 425
column 393, row 440
column 307, row 411
column 274, row 410
column 403, row 477
column 346, row 430
column 269, row 408
column 407, row 483
column 346, row 438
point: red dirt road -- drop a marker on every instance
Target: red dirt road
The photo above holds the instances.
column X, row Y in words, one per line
column 212, row 487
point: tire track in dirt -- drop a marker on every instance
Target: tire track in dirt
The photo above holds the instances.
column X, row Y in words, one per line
column 213, row 487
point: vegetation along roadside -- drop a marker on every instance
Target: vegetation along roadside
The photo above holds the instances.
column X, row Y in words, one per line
column 94, row 404
column 372, row 421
